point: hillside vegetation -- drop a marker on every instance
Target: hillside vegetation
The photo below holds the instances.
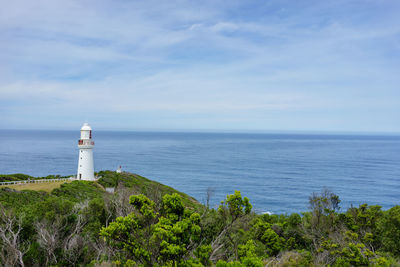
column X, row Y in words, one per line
column 21, row 177
column 142, row 185
column 144, row 223
column 45, row 186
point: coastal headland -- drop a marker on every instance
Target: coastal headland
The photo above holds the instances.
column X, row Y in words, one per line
column 124, row 219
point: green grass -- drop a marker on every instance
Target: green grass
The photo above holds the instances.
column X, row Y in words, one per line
column 45, row 186
column 80, row 190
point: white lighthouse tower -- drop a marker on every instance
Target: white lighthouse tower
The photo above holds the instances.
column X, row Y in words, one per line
column 85, row 144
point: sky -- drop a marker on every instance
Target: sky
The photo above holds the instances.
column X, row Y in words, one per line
column 330, row 66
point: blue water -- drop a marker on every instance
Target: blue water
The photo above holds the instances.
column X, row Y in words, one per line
column 278, row 172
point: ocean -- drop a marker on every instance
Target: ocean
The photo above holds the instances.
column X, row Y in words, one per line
column 278, row 172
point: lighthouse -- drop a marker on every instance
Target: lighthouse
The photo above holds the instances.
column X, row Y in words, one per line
column 85, row 145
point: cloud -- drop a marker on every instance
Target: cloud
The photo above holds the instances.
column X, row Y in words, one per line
column 214, row 61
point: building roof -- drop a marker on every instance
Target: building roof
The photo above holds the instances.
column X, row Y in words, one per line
column 86, row 127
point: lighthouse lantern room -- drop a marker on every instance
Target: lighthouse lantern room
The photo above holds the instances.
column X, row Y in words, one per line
column 85, row 163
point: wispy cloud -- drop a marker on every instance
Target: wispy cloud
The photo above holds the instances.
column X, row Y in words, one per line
column 209, row 65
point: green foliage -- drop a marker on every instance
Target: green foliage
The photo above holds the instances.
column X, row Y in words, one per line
column 109, row 178
column 202, row 253
column 323, row 212
column 325, row 203
column 222, row 263
column 124, row 234
column 78, row 191
column 142, row 185
column 364, row 221
column 17, row 200
column 364, row 218
column 351, row 252
column 14, row 177
column 149, row 236
column 247, row 255
column 293, row 259
column 80, row 222
column 353, row 255
column 389, row 227
column 22, row 177
column 235, row 205
column 385, row 262
column 95, row 215
column 173, row 206
column 271, row 241
column 143, row 205
column 51, row 207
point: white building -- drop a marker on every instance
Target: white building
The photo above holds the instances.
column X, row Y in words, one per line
column 119, row 170
column 85, row 145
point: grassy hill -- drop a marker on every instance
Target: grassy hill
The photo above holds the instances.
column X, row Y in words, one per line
column 80, row 190
column 81, row 224
column 142, row 185
column 46, row 187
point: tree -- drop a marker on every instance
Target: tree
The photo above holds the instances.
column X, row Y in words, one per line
column 48, row 238
column 148, row 236
column 231, row 210
column 323, row 208
column 12, row 248
column 390, row 229
column 271, row 242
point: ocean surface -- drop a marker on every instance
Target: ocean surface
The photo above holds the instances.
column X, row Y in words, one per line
column 278, row 172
